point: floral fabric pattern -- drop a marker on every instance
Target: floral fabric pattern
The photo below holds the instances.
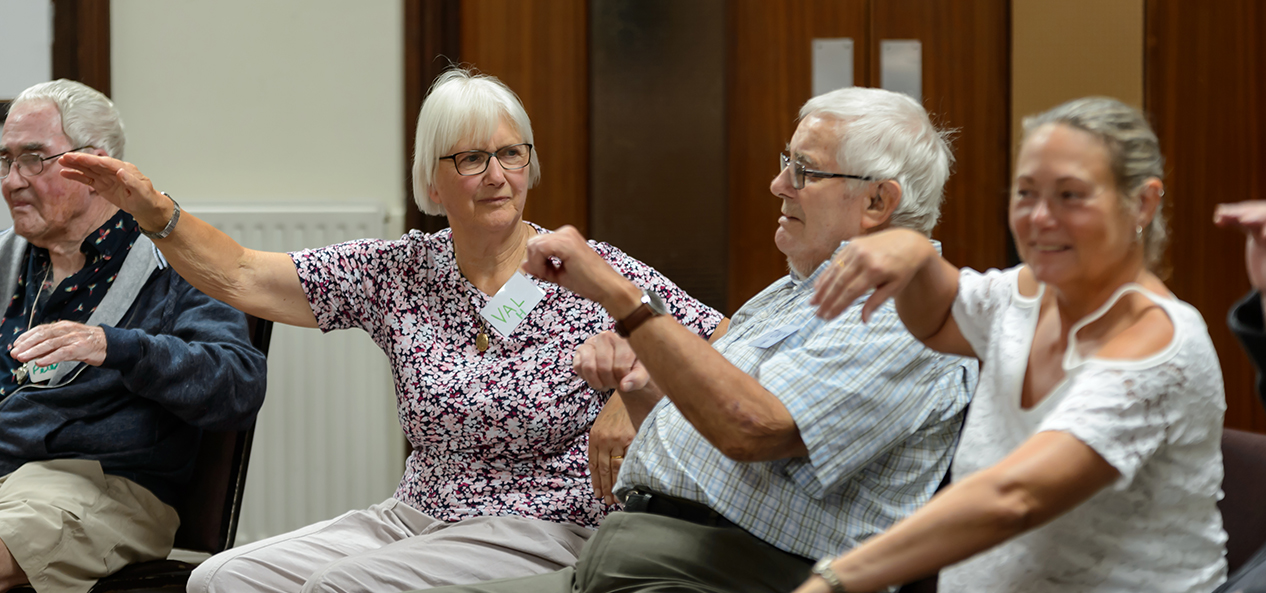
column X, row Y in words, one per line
column 36, row 301
column 500, row 432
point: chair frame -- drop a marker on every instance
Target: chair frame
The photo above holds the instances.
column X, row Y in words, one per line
column 200, row 501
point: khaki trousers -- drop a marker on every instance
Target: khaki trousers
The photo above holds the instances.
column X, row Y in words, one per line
column 67, row 524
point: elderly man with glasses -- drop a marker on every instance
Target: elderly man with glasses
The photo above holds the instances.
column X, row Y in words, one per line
column 112, row 364
column 793, row 438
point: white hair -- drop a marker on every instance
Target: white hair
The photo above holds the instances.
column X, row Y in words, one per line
column 888, row 135
column 88, row 117
column 462, row 105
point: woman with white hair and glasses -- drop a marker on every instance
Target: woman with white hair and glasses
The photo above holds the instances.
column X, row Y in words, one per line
column 497, row 483
column 1090, row 458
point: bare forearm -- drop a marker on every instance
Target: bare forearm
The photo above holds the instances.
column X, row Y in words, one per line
column 727, row 406
column 260, row 283
column 952, row 527
column 639, row 403
column 924, row 304
column 1045, row 477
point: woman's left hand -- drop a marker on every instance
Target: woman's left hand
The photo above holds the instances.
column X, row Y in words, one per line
column 608, row 441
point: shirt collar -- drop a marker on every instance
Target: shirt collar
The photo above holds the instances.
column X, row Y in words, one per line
column 113, row 237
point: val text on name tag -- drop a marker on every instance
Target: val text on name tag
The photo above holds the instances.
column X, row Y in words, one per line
column 511, row 305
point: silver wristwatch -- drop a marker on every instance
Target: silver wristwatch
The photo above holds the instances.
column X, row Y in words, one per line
column 823, row 569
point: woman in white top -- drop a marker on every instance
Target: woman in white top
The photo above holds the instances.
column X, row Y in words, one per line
column 1090, row 458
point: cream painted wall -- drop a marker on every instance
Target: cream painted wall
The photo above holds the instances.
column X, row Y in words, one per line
column 280, row 102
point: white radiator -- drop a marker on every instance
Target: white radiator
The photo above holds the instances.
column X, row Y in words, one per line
column 327, row 439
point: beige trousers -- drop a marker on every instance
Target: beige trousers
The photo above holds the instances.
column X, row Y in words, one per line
column 391, row 547
column 67, row 524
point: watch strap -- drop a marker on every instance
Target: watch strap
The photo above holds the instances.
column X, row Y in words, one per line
column 635, row 319
column 171, row 224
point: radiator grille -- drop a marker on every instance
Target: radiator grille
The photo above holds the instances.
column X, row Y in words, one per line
column 328, row 439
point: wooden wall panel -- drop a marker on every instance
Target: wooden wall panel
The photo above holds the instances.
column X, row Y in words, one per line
column 1206, row 94
column 432, row 40
column 658, row 155
column 540, row 49
column 770, row 77
column 966, row 86
column 81, row 42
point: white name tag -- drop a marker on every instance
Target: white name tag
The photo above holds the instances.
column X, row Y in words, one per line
column 775, row 335
column 40, row 374
column 511, row 305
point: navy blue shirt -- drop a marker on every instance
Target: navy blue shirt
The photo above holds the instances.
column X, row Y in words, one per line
column 74, row 299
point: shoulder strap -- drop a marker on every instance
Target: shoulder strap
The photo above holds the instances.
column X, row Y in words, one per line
column 12, row 253
column 142, row 260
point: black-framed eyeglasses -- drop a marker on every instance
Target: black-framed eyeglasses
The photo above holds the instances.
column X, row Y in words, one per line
column 30, row 164
column 475, row 162
column 798, row 172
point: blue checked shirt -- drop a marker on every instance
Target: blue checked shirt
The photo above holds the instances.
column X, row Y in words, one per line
column 878, row 412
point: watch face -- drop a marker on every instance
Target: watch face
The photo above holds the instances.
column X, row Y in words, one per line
column 656, row 303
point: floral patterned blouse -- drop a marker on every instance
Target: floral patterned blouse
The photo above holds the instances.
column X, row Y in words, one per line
column 502, row 432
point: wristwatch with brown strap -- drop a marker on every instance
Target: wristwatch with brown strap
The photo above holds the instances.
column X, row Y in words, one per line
column 651, row 306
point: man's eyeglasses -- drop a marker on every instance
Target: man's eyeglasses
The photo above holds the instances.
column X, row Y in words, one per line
column 798, row 172
column 29, row 164
column 475, row 162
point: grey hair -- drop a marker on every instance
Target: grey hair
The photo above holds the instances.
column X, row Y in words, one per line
column 463, row 105
column 88, row 117
column 1133, row 150
column 889, row 136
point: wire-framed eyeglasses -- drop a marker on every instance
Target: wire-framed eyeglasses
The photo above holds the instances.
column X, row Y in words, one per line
column 798, row 172
column 475, row 162
column 30, row 164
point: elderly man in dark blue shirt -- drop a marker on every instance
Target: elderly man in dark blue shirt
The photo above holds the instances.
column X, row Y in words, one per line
column 112, row 366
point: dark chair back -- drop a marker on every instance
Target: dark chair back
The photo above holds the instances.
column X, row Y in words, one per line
column 211, row 504
column 1244, row 486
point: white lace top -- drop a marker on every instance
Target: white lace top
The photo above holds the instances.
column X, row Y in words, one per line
column 1157, row 420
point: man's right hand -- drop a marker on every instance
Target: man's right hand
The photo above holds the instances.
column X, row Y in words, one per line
column 564, row 258
column 122, row 184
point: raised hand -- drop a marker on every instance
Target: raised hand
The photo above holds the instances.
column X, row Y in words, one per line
column 122, row 184
column 884, row 262
column 1249, row 218
column 566, row 259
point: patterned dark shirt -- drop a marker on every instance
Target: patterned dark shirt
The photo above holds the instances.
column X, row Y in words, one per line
column 74, row 299
column 502, row 432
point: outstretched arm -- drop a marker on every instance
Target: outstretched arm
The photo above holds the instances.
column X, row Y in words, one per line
column 1047, row 476
column 261, row 283
column 727, row 406
column 900, row 264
